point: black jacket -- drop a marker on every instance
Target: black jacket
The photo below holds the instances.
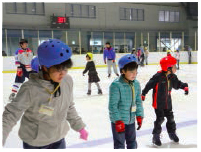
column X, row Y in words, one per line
column 91, row 68
column 162, row 86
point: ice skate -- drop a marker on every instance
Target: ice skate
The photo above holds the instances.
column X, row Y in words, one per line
column 89, row 92
column 156, row 140
column 173, row 137
column 100, row 91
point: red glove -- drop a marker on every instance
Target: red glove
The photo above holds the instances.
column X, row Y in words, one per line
column 186, row 90
column 142, row 97
column 19, row 72
column 113, row 61
column 119, row 126
column 139, row 122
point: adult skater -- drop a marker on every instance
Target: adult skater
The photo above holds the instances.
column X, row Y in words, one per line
column 110, row 54
column 139, row 55
column 146, row 55
column 45, row 102
column 125, row 104
column 134, row 52
column 93, row 75
column 162, row 83
column 189, row 54
column 23, row 57
column 142, row 57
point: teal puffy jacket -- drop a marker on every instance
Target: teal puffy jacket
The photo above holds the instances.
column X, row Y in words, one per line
column 123, row 102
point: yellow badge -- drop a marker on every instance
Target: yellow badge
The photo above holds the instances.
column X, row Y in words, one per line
column 46, row 110
column 133, row 109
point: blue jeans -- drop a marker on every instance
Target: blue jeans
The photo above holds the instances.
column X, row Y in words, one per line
column 129, row 136
column 61, row 144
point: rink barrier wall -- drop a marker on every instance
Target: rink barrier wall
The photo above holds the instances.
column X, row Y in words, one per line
column 153, row 59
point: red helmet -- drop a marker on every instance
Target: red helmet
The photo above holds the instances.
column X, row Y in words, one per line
column 167, row 62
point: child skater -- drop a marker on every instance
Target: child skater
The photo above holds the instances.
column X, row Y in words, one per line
column 125, row 104
column 93, row 75
column 23, row 57
column 45, row 102
column 162, row 83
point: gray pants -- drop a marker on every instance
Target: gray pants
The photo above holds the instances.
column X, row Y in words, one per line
column 97, row 84
column 113, row 64
column 146, row 59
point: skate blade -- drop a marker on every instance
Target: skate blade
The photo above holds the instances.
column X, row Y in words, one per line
column 156, row 146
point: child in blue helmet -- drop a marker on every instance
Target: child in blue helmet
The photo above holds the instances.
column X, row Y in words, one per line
column 45, row 102
column 125, row 104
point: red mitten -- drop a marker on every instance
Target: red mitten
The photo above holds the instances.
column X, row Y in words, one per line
column 113, row 61
column 119, row 126
column 186, row 90
column 139, row 122
column 142, row 97
column 19, row 72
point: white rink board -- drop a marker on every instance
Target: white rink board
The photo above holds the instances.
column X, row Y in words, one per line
column 80, row 60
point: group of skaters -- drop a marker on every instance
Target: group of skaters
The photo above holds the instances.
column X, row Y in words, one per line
column 142, row 54
column 45, row 102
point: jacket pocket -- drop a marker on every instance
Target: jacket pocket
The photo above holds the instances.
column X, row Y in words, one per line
column 28, row 130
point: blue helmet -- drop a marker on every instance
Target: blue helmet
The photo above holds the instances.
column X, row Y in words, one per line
column 35, row 64
column 53, row 52
column 126, row 59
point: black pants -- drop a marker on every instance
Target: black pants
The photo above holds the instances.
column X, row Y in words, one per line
column 129, row 136
column 170, row 125
column 61, row 144
column 142, row 60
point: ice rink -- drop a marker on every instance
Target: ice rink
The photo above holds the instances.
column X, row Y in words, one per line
column 94, row 111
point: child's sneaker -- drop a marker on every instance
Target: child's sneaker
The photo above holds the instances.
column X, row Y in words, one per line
column 156, row 140
column 173, row 137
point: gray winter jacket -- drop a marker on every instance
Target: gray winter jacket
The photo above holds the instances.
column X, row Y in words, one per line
column 39, row 129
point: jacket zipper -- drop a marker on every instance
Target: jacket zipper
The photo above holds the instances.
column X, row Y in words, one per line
column 132, row 88
column 167, row 89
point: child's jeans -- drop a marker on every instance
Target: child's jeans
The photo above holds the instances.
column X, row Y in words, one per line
column 129, row 136
column 61, row 144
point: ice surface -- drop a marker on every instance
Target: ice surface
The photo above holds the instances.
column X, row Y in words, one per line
column 94, row 111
